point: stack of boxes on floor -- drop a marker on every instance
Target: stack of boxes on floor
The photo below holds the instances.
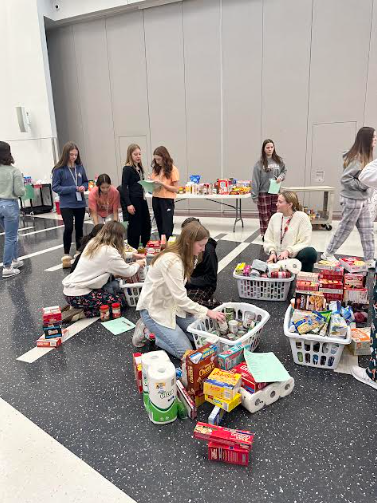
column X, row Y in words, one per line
column 337, row 291
column 52, row 328
column 179, row 393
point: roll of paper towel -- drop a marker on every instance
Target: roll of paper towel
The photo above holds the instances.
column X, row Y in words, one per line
column 162, row 393
column 147, row 360
column 286, row 387
column 252, row 401
column 271, row 393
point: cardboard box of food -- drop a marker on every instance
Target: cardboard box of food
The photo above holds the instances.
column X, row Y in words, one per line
column 197, row 366
column 222, row 384
column 248, row 381
column 227, row 405
column 223, row 436
column 136, row 359
column 360, row 342
column 216, row 415
column 233, row 455
column 49, row 343
column 188, row 402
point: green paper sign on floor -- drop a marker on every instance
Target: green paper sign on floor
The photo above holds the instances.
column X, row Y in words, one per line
column 119, row 325
column 265, row 367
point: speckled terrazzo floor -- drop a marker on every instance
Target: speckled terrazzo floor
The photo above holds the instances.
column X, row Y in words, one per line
column 315, row 446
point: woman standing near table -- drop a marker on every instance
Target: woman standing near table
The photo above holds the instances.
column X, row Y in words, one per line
column 11, row 188
column 139, row 220
column 269, row 167
column 69, row 180
column 104, row 201
column 167, row 175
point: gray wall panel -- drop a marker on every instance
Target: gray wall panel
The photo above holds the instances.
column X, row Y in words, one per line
column 370, row 118
column 95, row 98
column 285, row 81
column 128, row 77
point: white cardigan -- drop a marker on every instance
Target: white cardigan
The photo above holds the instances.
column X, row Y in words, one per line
column 368, row 175
column 94, row 272
column 164, row 295
column 297, row 237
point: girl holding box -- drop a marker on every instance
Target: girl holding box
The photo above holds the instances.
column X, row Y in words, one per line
column 269, row 167
column 355, row 198
column 167, row 175
column 165, row 308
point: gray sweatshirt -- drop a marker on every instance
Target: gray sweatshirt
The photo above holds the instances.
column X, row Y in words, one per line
column 261, row 177
column 351, row 187
column 11, row 182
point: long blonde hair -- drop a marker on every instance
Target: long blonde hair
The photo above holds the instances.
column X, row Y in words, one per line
column 129, row 161
column 183, row 247
column 112, row 234
column 291, row 198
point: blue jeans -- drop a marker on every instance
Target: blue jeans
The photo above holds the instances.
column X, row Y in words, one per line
column 9, row 220
column 175, row 341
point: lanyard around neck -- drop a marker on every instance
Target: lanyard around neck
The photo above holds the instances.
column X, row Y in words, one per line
column 283, row 233
column 73, row 177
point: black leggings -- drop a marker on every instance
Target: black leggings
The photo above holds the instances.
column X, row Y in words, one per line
column 68, row 215
column 308, row 257
column 139, row 225
column 163, row 210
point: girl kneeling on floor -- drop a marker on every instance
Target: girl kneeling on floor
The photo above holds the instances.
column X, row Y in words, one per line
column 103, row 256
column 165, row 308
column 289, row 233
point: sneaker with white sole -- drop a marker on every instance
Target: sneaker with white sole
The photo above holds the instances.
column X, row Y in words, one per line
column 361, row 375
column 371, row 264
column 140, row 334
column 329, row 257
column 8, row 272
column 16, row 264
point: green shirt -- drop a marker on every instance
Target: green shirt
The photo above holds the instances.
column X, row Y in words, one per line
column 11, row 182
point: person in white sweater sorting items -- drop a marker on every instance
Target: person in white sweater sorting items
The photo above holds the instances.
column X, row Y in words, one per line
column 165, row 308
column 289, row 233
column 103, row 256
column 355, row 198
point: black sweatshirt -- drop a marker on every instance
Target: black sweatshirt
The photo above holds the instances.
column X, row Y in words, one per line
column 205, row 273
column 131, row 189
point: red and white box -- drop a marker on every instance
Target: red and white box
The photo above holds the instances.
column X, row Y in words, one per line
column 136, row 359
column 188, row 402
column 248, row 381
column 51, row 315
column 354, row 280
column 223, row 436
column 232, row 454
column 49, row 343
column 356, row 295
column 353, row 264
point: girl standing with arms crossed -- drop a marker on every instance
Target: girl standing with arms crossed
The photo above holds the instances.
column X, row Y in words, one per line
column 354, row 198
column 104, row 201
column 139, row 220
column 167, row 175
column 69, row 180
column 269, row 167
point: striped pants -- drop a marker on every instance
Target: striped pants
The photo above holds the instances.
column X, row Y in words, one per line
column 266, row 208
column 357, row 213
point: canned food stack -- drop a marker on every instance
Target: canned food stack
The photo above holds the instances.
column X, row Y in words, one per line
column 52, row 327
column 225, row 444
column 233, row 328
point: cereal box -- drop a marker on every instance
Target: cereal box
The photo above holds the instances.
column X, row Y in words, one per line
column 197, row 365
column 223, row 436
column 248, row 382
column 233, row 455
column 222, row 384
column 227, row 405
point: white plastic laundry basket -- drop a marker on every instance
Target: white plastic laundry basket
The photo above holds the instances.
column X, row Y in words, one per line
column 202, row 329
column 131, row 292
column 314, row 350
column 257, row 288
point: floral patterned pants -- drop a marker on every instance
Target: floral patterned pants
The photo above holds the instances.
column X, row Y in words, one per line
column 92, row 301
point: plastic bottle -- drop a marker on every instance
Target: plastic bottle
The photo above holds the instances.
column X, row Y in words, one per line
column 141, row 249
column 104, row 313
column 152, row 342
column 116, row 310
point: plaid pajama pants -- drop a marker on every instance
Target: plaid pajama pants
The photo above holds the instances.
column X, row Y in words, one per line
column 266, row 208
column 373, row 206
column 354, row 212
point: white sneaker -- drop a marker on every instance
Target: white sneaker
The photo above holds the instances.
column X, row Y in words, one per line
column 139, row 338
column 17, row 263
column 361, row 375
column 8, row 272
column 371, row 264
column 329, row 257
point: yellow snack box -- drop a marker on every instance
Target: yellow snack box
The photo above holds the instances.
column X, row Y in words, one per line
column 239, row 268
column 222, row 384
column 227, row 405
